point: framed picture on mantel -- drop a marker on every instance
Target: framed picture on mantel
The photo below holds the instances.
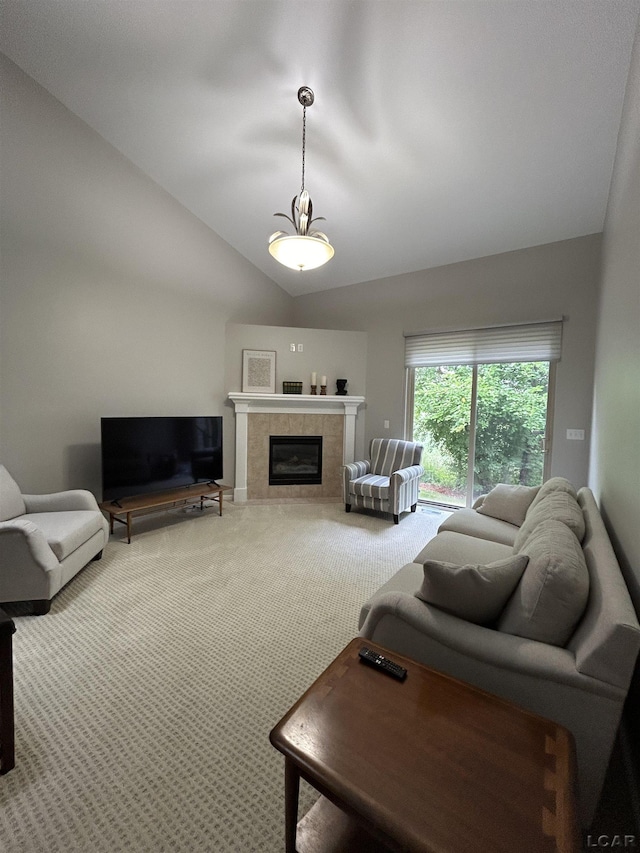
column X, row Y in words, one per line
column 259, row 371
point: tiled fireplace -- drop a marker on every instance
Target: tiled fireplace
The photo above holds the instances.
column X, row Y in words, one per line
column 319, row 432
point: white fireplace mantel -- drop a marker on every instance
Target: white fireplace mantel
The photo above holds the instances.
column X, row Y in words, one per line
column 305, row 404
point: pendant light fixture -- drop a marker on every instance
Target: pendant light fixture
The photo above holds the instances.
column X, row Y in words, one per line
column 307, row 248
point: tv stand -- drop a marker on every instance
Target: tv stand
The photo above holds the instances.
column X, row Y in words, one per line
column 161, row 501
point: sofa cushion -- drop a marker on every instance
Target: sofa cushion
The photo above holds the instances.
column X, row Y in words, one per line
column 66, row 531
column 555, row 484
column 370, row 486
column 460, row 549
column 473, row 592
column 471, row 523
column 552, row 594
column 556, row 505
column 508, row 503
column 11, row 500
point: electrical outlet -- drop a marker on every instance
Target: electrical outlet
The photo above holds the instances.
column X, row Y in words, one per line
column 292, row 347
column 575, row 434
column 386, row 424
column 300, row 348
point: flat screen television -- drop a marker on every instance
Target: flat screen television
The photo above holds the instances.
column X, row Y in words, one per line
column 144, row 455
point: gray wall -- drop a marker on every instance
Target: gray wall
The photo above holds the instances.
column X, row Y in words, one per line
column 615, row 459
column 334, row 354
column 615, row 463
column 541, row 283
column 114, row 298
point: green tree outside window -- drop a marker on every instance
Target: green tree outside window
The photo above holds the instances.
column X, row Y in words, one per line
column 510, row 422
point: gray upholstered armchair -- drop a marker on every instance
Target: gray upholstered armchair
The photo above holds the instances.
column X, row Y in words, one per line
column 45, row 540
column 389, row 482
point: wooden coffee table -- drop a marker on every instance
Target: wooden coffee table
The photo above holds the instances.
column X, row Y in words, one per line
column 428, row 764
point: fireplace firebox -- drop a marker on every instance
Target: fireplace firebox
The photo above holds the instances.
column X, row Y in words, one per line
column 295, row 460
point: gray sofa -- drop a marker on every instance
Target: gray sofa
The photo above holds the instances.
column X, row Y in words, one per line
column 45, row 540
column 563, row 650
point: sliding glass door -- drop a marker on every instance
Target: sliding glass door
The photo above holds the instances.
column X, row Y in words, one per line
column 442, row 399
column 481, row 424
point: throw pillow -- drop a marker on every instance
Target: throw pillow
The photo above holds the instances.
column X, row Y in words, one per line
column 474, row 593
column 558, row 505
column 555, row 484
column 509, row 503
column 552, row 595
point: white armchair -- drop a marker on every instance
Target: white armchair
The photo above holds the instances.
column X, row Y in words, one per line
column 389, row 481
column 45, row 540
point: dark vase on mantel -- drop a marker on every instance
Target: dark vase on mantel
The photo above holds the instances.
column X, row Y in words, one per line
column 341, row 385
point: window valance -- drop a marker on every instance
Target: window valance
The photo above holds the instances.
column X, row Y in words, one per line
column 523, row 342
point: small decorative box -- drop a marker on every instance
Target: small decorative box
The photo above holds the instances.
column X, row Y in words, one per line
column 292, row 387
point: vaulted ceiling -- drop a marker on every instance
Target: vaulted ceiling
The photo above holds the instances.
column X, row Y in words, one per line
column 441, row 131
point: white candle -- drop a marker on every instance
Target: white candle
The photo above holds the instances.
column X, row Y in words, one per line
column 324, row 380
column 313, row 379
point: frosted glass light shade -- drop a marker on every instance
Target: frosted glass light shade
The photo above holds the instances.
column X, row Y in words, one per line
column 301, row 253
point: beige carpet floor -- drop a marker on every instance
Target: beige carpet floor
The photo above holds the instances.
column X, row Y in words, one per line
column 144, row 699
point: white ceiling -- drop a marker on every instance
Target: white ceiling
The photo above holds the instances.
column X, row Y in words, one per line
column 442, row 131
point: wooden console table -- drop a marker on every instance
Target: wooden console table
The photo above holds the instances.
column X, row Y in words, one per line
column 127, row 508
column 423, row 765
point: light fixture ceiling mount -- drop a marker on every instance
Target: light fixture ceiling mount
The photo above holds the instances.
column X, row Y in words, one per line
column 308, row 248
column 306, row 96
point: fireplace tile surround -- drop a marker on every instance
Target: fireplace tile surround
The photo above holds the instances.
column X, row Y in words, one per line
column 262, row 426
column 260, row 415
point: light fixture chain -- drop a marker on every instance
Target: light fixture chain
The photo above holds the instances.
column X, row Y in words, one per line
column 304, row 137
column 307, row 248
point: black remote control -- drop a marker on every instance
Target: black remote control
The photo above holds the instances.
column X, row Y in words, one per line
column 382, row 663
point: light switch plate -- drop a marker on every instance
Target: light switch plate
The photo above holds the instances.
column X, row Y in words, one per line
column 575, row 434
